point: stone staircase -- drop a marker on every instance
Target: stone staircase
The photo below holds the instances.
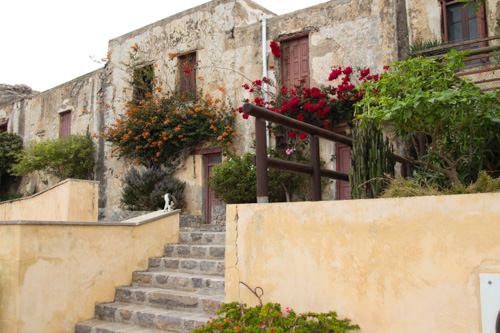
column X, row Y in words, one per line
column 177, row 293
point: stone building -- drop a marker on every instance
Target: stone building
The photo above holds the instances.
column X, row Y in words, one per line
column 225, row 37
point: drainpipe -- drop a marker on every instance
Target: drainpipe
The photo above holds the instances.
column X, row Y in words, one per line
column 264, row 67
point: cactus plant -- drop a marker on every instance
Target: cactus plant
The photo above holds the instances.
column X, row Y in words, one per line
column 372, row 160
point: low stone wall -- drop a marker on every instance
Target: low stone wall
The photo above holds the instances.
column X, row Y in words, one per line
column 53, row 273
column 70, row 200
column 391, row 265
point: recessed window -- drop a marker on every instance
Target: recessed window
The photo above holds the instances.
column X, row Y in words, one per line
column 65, row 128
column 187, row 70
column 143, row 82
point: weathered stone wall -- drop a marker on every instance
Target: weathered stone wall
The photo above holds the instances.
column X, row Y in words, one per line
column 226, row 34
column 37, row 118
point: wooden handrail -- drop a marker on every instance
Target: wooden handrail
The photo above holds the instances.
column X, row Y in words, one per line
column 263, row 162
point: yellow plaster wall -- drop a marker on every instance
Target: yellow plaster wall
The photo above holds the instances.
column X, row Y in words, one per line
column 52, row 275
column 392, row 265
column 70, row 200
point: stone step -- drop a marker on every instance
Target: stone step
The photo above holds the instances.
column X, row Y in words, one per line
column 186, row 265
column 170, row 299
column 102, row 326
column 150, row 317
column 202, row 237
column 195, row 251
column 205, row 284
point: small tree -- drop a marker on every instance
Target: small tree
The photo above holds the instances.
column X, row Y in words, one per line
column 423, row 97
column 70, row 157
column 10, row 145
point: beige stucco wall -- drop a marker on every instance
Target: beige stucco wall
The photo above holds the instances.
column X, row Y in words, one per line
column 52, row 275
column 70, row 200
column 391, row 265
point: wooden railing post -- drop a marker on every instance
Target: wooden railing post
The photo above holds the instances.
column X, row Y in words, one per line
column 261, row 163
column 315, row 163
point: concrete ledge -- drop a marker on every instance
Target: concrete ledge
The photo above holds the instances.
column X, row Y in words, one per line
column 136, row 221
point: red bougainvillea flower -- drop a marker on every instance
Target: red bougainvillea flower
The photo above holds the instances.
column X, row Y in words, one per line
column 187, row 69
column 302, row 136
column 292, row 134
column 387, row 68
column 275, row 49
column 335, row 74
column 257, row 83
column 364, row 73
column 246, row 86
column 347, row 71
column 300, row 117
column 245, row 116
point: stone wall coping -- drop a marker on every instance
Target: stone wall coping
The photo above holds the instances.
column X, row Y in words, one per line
column 136, row 221
column 50, row 188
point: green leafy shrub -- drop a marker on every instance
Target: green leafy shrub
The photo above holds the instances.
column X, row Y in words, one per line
column 10, row 196
column 235, row 180
column 424, row 98
column 70, row 157
column 10, row 145
column 145, row 190
column 236, row 317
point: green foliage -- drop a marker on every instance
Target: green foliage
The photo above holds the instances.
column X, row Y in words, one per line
column 424, row 45
column 10, row 145
column 235, row 180
column 145, row 190
column 70, row 157
column 10, row 196
column 373, row 160
column 424, row 97
column 401, row 187
column 234, row 317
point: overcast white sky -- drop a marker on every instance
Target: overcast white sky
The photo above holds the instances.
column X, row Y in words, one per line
column 46, row 43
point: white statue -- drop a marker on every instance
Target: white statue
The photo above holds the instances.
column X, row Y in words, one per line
column 170, row 202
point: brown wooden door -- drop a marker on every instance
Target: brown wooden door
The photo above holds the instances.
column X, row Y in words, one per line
column 65, row 124
column 343, row 162
column 210, row 161
column 295, row 62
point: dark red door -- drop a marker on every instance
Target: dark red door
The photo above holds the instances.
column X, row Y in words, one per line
column 295, row 62
column 343, row 154
column 65, row 124
column 210, row 161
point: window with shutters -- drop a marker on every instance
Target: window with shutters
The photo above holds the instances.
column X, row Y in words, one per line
column 295, row 62
column 463, row 23
column 187, row 70
column 65, row 128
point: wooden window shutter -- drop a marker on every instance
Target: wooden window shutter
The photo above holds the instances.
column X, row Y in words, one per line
column 65, row 124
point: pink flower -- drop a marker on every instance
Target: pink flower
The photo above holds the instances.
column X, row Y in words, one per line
column 288, row 152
